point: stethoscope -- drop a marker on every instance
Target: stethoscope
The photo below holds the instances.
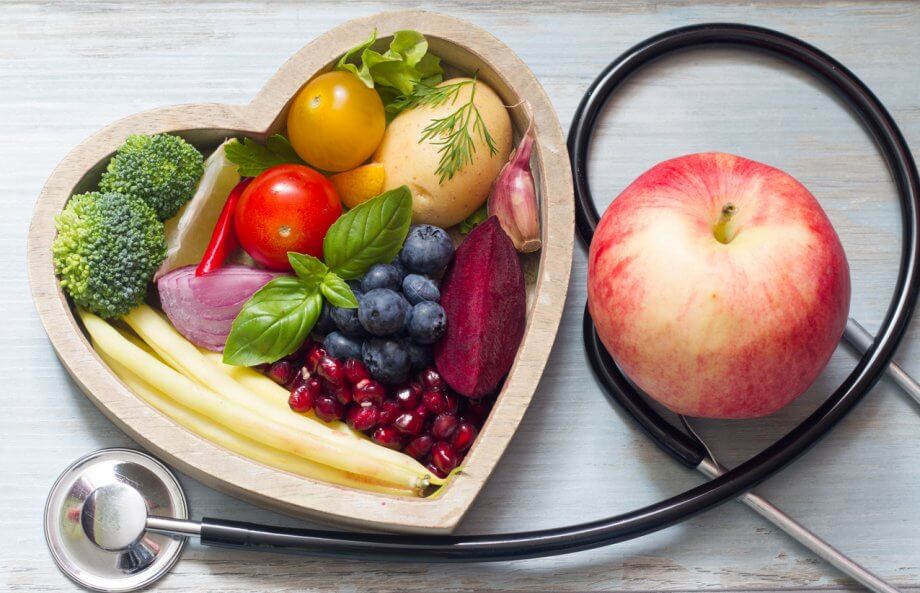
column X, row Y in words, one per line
column 112, row 517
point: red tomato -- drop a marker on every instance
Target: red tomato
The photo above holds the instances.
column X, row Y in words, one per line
column 286, row 208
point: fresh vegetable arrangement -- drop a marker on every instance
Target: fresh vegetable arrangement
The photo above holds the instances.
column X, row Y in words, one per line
column 341, row 300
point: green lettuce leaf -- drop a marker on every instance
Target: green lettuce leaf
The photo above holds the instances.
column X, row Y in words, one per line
column 395, row 72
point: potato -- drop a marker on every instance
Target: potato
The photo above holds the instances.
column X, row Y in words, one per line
column 409, row 162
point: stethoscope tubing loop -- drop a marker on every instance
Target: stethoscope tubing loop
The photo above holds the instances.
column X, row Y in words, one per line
column 868, row 370
column 734, row 482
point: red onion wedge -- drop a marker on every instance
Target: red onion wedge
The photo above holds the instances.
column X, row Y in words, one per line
column 202, row 308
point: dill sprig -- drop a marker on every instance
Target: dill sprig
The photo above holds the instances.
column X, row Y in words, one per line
column 452, row 133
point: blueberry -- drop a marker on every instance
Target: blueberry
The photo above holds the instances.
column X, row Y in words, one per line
column 407, row 307
column 381, row 312
column 347, row 319
column 427, row 249
column 342, row 347
column 397, row 263
column 428, row 322
column 381, row 276
column 354, row 284
column 418, row 288
column 325, row 323
column 387, row 360
column 420, row 356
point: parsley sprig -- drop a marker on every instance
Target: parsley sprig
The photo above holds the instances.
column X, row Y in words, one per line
column 454, row 133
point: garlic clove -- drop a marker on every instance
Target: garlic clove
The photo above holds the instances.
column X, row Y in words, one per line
column 514, row 198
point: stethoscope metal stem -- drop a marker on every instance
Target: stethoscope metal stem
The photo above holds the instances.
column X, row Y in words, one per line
column 177, row 527
column 711, row 468
column 803, row 535
column 860, row 340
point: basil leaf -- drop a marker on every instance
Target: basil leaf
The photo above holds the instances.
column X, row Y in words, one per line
column 252, row 158
column 310, row 270
column 337, row 292
column 370, row 233
column 274, row 322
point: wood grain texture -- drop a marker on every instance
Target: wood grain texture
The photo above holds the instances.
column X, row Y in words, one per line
column 68, row 69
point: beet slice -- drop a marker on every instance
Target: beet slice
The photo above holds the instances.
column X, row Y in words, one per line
column 483, row 296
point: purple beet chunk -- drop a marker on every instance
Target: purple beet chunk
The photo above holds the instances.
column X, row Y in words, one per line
column 483, row 296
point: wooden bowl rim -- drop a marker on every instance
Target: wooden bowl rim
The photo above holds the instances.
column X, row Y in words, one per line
column 249, row 479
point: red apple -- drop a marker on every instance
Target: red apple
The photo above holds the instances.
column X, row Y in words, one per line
column 718, row 285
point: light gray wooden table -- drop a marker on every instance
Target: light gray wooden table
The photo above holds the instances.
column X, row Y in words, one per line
column 68, row 68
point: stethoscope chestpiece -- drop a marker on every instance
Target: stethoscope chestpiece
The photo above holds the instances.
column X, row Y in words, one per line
column 95, row 520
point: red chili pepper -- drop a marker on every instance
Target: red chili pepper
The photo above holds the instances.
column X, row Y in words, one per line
column 223, row 239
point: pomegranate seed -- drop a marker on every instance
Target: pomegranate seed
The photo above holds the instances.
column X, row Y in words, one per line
column 355, row 371
column 303, row 398
column 300, row 355
column 281, row 372
column 407, row 397
column 478, row 409
column 431, row 379
column 314, row 353
column 388, row 437
column 389, row 410
column 369, row 391
column 418, row 447
column 434, row 469
column 443, row 457
column 328, row 408
column 361, row 417
column 463, row 437
column 409, row 423
column 471, row 419
column 314, row 385
column 453, row 403
column 331, row 370
column 436, row 401
column 300, row 377
column 444, row 427
column 422, row 411
column 341, row 392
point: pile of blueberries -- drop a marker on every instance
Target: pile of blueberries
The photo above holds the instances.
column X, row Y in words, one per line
column 398, row 318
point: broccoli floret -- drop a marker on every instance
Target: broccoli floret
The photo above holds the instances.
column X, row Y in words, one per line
column 107, row 248
column 163, row 170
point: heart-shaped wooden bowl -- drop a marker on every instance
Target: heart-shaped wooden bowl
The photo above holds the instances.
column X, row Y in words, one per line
column 461, row 45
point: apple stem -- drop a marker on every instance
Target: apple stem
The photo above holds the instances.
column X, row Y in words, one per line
column 723, row 231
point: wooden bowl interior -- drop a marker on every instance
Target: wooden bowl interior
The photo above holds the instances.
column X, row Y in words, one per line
column 462, row 63
column 206, row 126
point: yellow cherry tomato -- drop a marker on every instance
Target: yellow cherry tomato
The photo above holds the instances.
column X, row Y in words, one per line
column 336, row 122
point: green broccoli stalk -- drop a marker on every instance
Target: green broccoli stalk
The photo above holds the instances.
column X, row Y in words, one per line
column 107, row 248
column 163, row 170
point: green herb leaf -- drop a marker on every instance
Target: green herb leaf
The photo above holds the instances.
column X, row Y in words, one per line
column 371, row 233
column 274, row 322
column 395, row 72
column 453, row 133
column 252, row 158
column 337, row 292
column 474, row 219
column 363, row 73
column 310, row 270
column 282, row 149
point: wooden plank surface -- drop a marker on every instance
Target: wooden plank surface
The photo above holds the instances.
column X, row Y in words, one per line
column 66, row 69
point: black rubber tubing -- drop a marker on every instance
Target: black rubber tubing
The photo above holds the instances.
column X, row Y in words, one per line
column 736, row 481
